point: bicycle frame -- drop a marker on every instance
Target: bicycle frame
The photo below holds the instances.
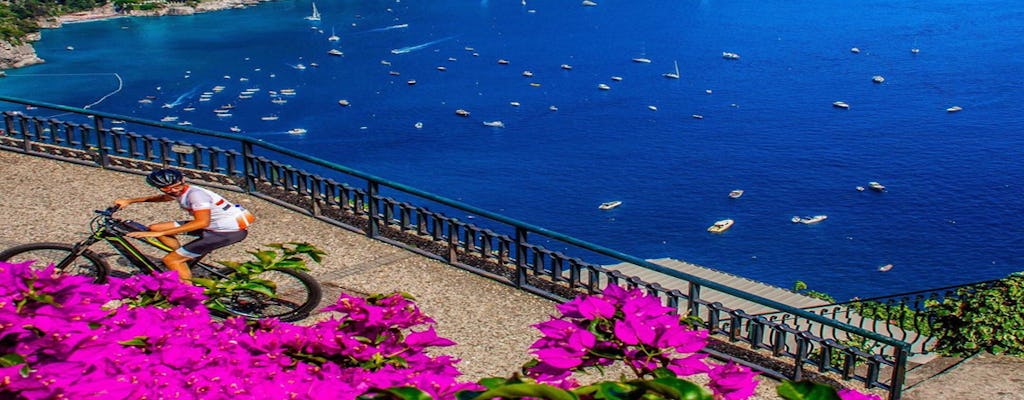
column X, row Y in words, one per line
column 106, row 228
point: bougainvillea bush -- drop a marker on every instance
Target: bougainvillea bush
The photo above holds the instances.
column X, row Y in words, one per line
column 151, row 337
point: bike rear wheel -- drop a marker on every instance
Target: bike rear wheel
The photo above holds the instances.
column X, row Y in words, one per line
column 62, row 255
column 296, row 294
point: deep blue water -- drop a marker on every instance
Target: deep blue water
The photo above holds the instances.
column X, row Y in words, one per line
column 951, row 214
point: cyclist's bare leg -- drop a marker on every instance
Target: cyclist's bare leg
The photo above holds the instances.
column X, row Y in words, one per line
column 169, row 241
column 178, row 263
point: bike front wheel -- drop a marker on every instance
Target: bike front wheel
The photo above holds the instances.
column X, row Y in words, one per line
column 62, row 255
column 296, row 294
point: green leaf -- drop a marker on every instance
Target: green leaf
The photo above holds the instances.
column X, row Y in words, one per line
column 670, row 388
column 138, row 341
column 266, row 257
column 9, row 360
column 258, row 288
column 806, row 391
column 204, row 282
column 534, row 390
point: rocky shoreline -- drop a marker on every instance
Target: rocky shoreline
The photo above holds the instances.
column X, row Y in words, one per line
column 17, row 55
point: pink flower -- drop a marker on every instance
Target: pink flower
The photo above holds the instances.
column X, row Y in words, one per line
column 850, row 394
column 732, row 382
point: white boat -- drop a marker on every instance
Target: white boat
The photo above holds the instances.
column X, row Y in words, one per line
column 603, row 86
column 335, row 52
column 343, row 103
column 885, row 267
column 333, row 37
column 296, row 131
column 954, row 109
column 495, row 124
column 300, row 67
column 840, row 104
column 278, row 100
column 315, row 16
column 730, row 56
column 184, row 123
column 553, row 108
column 514, row 103
column 878, row 187
column 721, row 226
column 672, row 75
column 877, row 79
column 854, row 50
column 527, row 74
column 809, row 220
column 462, row 113
column 915, row 50
column 502, row 61
column 652, row 108
column 609, row 205
column 697, row 116
column 168, row 119
column 642, row 60
column 735, row 194
column 235, row 129
column 566, row 67
column 69, row 48
column 411, row 82
column 616, row 78
column 269, row 118
column 418, row 125
column 189, row 108
column 442, row 68
column 589, row 3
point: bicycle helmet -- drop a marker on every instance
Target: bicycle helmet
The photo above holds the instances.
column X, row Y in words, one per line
column 162, row 178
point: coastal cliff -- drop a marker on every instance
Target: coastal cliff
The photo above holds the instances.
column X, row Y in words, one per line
column 23, row 54
column 19, row 55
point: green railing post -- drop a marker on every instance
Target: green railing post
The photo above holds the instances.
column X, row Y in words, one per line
column 520, row 279
column 372, row 192
column 248, row 169
column 101, row 141
column 453, row 241
column 691, row 299
column 899, row 373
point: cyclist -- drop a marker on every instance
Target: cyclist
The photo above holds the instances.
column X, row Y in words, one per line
column 216, row 221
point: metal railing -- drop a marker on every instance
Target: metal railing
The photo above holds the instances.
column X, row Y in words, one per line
column 901, row 316
column 528, row 257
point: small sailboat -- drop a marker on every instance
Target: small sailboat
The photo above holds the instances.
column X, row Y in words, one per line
column 316, row 14
column 610, row 205
column 673, row 75
column 334, row 37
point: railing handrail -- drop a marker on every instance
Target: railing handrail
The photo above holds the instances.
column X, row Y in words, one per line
column 478, row 211
column 911, row 294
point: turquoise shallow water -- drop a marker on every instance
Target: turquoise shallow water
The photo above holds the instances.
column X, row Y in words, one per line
column 952, row 212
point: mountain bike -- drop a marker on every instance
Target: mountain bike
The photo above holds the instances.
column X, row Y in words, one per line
column 284, row 293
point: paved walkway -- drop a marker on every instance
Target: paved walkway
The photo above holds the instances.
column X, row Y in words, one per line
column 44, row 200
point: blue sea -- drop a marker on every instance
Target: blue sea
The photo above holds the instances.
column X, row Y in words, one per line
column 951, row 214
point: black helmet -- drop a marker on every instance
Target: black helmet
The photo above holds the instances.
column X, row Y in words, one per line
column 162, row 178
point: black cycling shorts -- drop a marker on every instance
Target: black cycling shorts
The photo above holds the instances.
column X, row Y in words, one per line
column 209, row 241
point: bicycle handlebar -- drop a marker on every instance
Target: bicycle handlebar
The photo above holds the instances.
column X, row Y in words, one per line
column 109, row 211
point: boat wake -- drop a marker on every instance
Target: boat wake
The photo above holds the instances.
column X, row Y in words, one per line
column 388, row 28
column 181, row 99
column 407, row 49
column 120, row 85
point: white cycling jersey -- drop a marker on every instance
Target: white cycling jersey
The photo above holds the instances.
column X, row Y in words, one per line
column 224, row 216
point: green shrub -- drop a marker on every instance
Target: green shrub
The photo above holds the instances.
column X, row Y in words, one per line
column 976, row 320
